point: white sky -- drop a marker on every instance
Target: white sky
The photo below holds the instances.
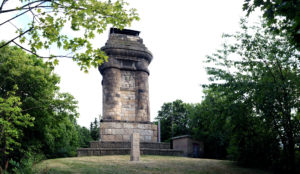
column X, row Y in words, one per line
column 179, row 34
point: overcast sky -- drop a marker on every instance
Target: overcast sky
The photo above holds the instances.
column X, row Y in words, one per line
column 179, row 34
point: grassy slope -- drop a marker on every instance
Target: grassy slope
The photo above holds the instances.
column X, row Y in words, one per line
column 146, row 165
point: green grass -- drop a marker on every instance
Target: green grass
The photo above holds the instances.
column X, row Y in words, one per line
column 148, row 164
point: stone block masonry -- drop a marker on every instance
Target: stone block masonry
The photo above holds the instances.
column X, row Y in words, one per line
column 125, row 95
column 135, row 147
column 126, row 107
column 121, row 131
column 100, row 148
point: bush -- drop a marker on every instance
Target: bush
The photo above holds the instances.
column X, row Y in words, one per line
column 25, row 166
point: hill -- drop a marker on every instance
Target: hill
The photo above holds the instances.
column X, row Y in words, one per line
column 148, row 164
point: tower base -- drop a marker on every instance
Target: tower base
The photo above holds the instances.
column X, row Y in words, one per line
column 100, row 148
column 120, row 131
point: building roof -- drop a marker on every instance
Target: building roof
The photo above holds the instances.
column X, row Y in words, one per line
column 182, row 136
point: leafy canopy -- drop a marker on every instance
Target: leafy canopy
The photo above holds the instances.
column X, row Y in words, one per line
column 35, row 117
column 12, row 121
column 52, row 23
column 281, row 16
column 258, row 71
column 95, row 129
column 173, row 119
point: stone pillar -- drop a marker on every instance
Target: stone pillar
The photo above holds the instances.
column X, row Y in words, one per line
column 143, row 110
column 111, row 95
column 135, row 147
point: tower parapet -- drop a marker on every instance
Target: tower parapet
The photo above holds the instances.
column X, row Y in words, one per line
column 126, row 51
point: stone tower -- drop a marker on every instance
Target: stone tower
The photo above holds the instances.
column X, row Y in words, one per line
column 126, row 100
column 125, row 88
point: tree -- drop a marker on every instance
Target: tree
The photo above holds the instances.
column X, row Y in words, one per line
column 281, row 15
column 60, row 132
column 173, row 120
column 12, row 121
column 95, row 130
column 210, row 124
column 49, row 19
column 260, row 71
column 84, row 136
column 48, row 117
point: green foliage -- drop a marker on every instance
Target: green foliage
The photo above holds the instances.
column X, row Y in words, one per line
column 95, row 130
column 25, row 166
column 84, row 137
column 173, row 120
column 250, row 112
column 61, row 133
column 210, row 124
column 281, row 16
column 84, row 18
column 12, row 121
column 36, row 109
column 258, row 74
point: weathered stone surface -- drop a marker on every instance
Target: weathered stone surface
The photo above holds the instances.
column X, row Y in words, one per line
column 126, row 108
column 128, row 125
column 126, row 151
column 126, row 137
column 148, row 138
column 135, row 147
column 118, row 137
column 125, row 88
column 109, row 131
column 124, row 147
column 125, row 78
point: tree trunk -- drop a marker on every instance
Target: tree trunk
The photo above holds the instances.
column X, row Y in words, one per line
column 291, row 151
column 3, row 154
column 6, row 165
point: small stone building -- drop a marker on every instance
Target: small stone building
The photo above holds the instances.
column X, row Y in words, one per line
column 190, row 147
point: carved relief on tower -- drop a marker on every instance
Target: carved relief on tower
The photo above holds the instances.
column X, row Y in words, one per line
column 127, row 80
column 128, row 98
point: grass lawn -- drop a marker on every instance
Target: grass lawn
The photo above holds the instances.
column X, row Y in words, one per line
column 120, row 164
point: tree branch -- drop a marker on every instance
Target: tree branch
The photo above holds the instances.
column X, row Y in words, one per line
column 16, row 38
column 14, row 17
column 23, row 7
column 3, row 2
column 33, row 17
column 29, row 9
column 44, row 57
column 33, row 108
